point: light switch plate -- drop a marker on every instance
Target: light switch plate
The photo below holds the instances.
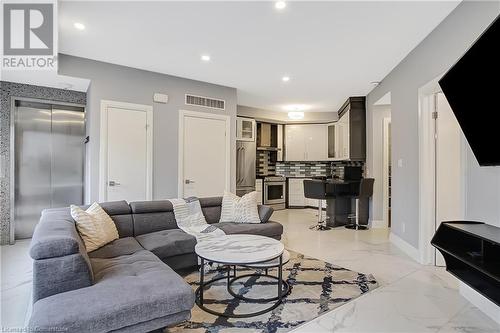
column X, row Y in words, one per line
column 400, row 163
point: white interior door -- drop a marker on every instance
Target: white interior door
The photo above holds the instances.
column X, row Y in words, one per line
column 448, row 167
column 204, row 149
column 128, row 157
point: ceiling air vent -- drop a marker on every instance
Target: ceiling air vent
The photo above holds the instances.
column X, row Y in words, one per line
column 206, row 102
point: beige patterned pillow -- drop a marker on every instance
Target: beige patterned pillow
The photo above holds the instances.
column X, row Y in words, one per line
column 241, row 210
column 94, row 225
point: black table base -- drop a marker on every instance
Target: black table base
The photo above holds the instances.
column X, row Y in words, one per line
column 320, row 227
column 356, row 227
column 283, row 289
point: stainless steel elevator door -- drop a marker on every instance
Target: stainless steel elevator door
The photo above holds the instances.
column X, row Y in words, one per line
column 32, row 167
column 48, row 162
column 68, row 131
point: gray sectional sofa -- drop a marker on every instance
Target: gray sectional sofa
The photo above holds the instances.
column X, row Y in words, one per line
column 130, row 284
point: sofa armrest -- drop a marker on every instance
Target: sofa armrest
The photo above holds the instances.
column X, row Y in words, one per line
column 265, row 212
column 61, row 262
column 55, row 236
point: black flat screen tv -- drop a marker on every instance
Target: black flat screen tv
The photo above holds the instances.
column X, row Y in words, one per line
column 472, row 87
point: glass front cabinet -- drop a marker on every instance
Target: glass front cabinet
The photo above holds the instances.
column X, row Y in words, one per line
column 245, row 129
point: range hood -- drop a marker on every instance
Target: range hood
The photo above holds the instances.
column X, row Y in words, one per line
column 267, row 137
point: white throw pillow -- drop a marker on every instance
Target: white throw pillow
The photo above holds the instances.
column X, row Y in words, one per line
column 94, row 225
column 241, row 210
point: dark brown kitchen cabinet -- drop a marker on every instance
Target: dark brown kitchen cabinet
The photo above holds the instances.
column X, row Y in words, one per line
column 347, row 136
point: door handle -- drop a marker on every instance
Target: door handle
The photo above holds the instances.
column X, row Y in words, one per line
column 243, row 167
column 189, row 181
column 238, row 165
column 113, row 183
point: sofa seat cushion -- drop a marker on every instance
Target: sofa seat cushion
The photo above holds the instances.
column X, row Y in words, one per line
column 128, row 290
column 269, row 229
column 118, row 247
column 168, row 243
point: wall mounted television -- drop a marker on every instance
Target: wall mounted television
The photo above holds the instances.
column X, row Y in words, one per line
column 472, row 87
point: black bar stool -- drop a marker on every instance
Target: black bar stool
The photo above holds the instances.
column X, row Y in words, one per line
column 365, row 193
column 316, row 189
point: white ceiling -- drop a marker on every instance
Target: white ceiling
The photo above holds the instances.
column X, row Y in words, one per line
column 330, row 50
column 45, row 78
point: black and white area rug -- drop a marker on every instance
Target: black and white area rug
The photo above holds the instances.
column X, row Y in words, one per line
column 316, row 287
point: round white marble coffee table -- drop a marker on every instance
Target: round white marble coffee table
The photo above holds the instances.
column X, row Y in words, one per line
column 247, row 251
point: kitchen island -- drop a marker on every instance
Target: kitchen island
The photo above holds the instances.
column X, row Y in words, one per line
column 340, row 202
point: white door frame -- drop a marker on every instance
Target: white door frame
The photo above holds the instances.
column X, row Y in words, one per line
column 204, row 115
column 427, row 176
column 385, row 191
column 103, row 145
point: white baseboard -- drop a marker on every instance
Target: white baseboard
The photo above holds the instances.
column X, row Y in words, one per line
column 481, row 302
column 378, row 224
column 404, row 246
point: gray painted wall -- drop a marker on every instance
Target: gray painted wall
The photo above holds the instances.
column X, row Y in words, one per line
column 124, row 84
column 7, row 91
column 432, row 57
column 282, row 117
column 482, row 191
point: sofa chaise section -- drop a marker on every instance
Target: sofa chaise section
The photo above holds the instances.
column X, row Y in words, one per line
column 129, row 292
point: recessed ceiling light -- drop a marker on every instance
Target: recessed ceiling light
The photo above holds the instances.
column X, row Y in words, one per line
column 205, row 57
column 375, row 83
column 280, row 5
column 296, row 115
column 285, row 78
column 79, row 26
column 296, row 107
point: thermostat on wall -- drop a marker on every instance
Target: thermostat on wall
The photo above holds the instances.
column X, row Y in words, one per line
column 160, row 98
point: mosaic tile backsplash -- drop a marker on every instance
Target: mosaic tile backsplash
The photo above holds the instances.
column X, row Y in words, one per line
column 311, row 169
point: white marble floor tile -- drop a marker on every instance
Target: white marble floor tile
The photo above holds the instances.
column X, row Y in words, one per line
column 470, row 320
column 16, row 284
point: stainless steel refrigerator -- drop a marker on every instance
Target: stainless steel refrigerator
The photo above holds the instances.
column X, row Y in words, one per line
column 245, row 166
column 49, row 159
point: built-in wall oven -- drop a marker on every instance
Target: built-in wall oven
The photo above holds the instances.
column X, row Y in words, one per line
column 275, row 192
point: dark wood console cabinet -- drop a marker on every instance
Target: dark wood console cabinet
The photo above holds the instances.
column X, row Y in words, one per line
column 472, row 254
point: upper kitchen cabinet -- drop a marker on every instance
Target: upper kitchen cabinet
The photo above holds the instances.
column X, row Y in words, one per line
column 306, row 142
column 245, row 129
column 295, row 143
column 280, row 156
column 338, row 139
column 347, row 136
